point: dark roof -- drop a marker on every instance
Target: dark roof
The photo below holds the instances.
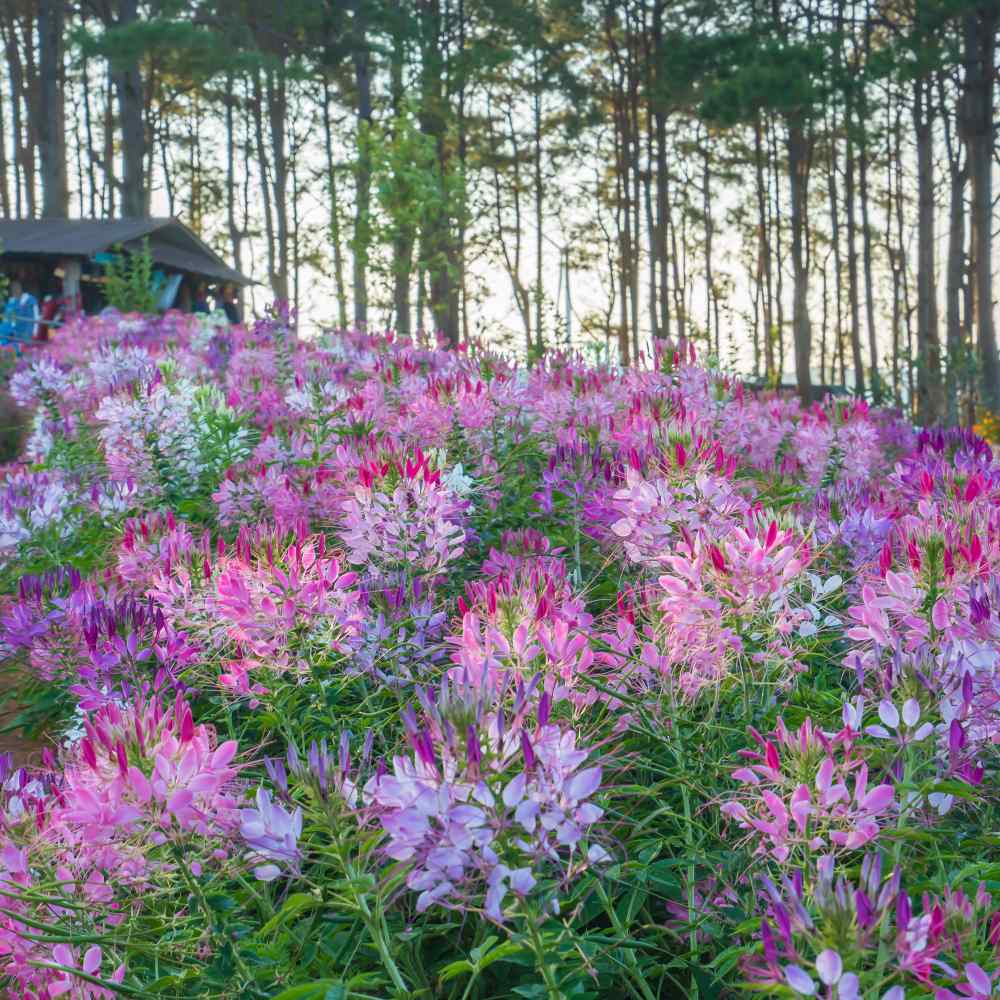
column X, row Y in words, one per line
column 171, row 243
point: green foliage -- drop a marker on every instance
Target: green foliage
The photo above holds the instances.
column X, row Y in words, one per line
column 415, row 194
column 758, row 71
column 13, row 428
column 129, row 280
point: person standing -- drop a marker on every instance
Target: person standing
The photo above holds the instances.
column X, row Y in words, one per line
column 228, row 304
column 200, row 304
column 20, row 317
column 22, row 310
column 52, row 306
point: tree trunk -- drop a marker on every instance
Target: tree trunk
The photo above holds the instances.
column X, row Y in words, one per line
column 798, row 177
column 853, row 290
column 277, row 110
column 659, row 251
column 88, row 128
column 52, row 114
column 955, row 272
column 402, row 244
column 108, row 180
column 265, row 183
column 980, row 31
column 764, row 254
column 4, row 187
column 706, row 181
column 236, row 233
column 539, row 194
column 512, row 258
column 128, row 89
column 837, row 259
column 363, row 168
column 866, row 229
column 930, row 404
column 775, row 226
column 437, row 238
column 23, row 193
column 866, row 245
column 897, row 252
column 335, row 237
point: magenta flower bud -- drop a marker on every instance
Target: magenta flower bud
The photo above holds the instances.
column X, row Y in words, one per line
column 903, row 912
column 275, row 768
column 784, row 924
column 424, row 747
column 122, row 759
column 863, row 909
column 767, row 939
column 187, row 726
column 103, row 738
column 472, row 749
column 956, row 736
column 528, row 751
column 345, row 752
column 292, row 755
column 409, row 719
column 544, row 708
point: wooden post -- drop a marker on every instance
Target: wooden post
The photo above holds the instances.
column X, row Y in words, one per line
column 72, row 269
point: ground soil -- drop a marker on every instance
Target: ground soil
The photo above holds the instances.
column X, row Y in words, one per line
column 20, row 747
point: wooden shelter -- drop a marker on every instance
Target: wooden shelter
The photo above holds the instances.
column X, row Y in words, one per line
column 46, row 253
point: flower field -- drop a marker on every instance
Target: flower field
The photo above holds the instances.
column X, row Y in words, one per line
column 369, row 669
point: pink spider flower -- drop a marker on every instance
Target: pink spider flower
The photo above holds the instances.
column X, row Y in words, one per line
column 402, row 521
column 814, row 798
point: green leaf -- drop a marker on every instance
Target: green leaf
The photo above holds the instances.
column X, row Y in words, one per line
column 455, row 969
column 296, row 904
column 316, row 990
column 505, row 950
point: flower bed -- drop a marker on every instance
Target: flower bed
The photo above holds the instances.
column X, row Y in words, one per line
column 374, row 669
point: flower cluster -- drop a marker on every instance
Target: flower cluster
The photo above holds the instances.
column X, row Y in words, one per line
column 807, row 791
column 402, row 521
column 591, row 581
column 492, row 802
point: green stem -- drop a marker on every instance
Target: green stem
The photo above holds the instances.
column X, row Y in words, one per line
column 375, row 930
column 630, row 960
column 467, row 992
column 380, row 944
column 197, row 892
column 883, row 945
column 689, row 844
column 542, row 963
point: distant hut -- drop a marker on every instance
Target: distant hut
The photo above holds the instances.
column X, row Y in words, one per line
column 66, row 257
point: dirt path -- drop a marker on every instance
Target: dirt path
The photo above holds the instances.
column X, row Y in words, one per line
column 20, row 747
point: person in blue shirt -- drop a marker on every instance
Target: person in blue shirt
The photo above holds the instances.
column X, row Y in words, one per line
column 20, row 316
